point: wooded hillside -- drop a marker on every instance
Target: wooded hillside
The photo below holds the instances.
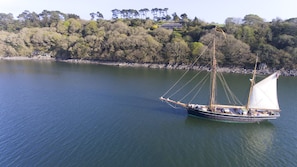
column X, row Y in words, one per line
column 131, row 37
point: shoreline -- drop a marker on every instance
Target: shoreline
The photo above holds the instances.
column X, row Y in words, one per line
column 153, row 66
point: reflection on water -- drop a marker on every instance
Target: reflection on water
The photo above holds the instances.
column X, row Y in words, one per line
column 259, row 139
column 251, row 142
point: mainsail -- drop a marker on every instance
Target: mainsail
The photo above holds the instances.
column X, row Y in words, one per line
column 264, row 94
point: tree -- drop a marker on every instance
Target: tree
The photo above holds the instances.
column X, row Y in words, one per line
column 29, row 19
column 7, row 22
column 196, row 50
column 232, row 25
column 184, row 17
column 90, row 28
column 195, row 33
column 177, row 52
column 55, row 17
column 248, row 35
column 175, row 17
column 143, row 12
column 252, row 19
column 51, row 18
column 99, row 15
column 269, row 55
column 197, row 22
column 165, row 10
column 92, row 15
column 115, row 13
column 73, row 26
column 162, row 35
column 69, row 16
column 284, row 41
column 45, row 18
column 154, row 11
column 167, row 17
column 236, row 53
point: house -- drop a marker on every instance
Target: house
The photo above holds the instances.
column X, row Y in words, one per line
column 171, row 26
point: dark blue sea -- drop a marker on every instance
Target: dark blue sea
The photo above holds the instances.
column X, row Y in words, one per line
column 68, row 115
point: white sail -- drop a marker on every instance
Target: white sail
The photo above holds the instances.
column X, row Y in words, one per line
column 264, row 94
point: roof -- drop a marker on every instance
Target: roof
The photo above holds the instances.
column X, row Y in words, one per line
column 171, row 25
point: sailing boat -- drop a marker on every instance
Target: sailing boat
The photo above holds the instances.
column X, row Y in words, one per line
column 262, row 103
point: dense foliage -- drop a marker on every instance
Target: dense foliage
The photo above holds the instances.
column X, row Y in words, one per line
column 132, row 37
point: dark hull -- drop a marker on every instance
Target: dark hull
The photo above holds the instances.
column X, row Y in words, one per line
column 236, row 118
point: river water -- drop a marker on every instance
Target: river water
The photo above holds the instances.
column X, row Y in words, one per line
column 60, row 114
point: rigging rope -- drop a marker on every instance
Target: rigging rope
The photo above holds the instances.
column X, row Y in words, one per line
column 172, row 105
column 202, row 82
column 224, row 87
column 228, row 90
column 193, row 88
column 191, row 66
column 185, row 84
column 229, row 94
column 197, row 91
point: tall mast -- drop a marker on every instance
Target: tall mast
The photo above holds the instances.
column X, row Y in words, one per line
column 252, row 83
column 213, row 79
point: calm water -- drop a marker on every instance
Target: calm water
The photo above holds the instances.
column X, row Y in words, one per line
column 59, row 114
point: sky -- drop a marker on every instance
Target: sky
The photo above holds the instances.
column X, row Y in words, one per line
column 209, row 11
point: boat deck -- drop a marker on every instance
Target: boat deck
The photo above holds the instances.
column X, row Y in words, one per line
column 232, row 111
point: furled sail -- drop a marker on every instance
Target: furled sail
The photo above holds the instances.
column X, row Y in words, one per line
column 264, row 94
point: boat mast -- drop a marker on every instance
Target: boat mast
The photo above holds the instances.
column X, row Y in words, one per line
column 252, row 83
column 213, row 79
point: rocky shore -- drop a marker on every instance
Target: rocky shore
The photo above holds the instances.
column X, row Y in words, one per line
column 237, row 70
column 264, row 71
column 47, row 58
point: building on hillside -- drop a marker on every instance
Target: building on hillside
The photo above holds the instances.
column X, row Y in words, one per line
column 171, row 26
